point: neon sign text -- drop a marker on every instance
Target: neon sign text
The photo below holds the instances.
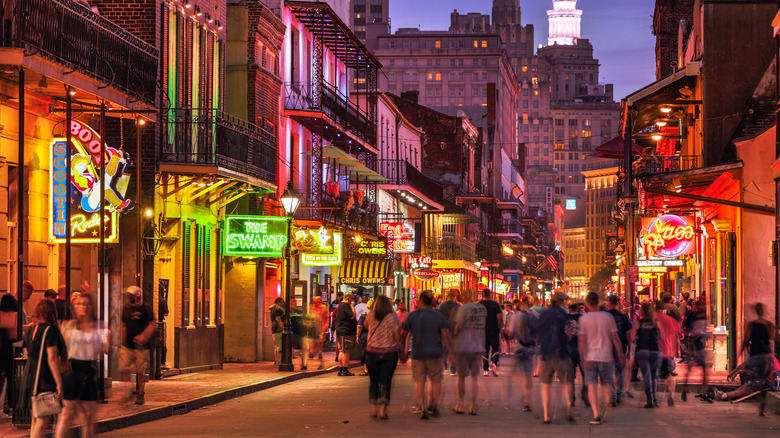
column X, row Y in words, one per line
column 256, row 236
column 668, row 236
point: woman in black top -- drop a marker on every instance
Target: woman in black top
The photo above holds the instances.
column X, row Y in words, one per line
column 45, row 316
column 7, row 337
column 648, row 355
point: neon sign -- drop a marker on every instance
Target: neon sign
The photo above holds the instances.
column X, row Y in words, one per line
column 325, row 259
column 420, row 262
column 668, row 236
column 372, row 248
column 425, row 274
column 85, row 181
column 400, row 236
column 313, row 240
column 255, row 236
column 449, row 280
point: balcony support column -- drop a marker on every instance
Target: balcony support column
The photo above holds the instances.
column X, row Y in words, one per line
column 316, row 173
column 371, row 83
column 319, row 72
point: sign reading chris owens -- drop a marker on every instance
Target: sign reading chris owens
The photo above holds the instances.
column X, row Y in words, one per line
column 255, row 236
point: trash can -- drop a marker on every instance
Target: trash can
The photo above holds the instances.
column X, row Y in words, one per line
column 21, row 414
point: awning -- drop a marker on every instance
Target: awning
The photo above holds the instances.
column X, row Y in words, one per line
column 366, row 271
column 646, row 101
column 615, row 149
column 351, row 165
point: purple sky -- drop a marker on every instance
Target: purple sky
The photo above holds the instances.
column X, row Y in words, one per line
column 620, row 31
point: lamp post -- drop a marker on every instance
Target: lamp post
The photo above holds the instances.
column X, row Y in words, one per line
column 290, row 201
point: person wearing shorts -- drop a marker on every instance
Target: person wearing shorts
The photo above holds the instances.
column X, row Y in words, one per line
column 430, row 334
column 468, row 345
column 598, row 338
column 553, row 349
column 669, row 343
column 522, row 331
column 138, row 326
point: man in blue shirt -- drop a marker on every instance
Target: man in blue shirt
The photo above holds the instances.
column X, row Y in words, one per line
column 430, row 334
column 553, row 347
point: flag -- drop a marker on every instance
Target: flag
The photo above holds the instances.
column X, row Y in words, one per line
column 551, row 260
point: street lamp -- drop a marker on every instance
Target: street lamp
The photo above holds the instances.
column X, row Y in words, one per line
column 290, row 201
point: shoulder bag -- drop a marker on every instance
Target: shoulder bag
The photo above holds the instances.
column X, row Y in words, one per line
column 44, row 403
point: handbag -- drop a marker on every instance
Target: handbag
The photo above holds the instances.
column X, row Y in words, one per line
column 44, row 403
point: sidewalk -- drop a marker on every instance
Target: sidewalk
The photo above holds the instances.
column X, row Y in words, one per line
column 182, row 393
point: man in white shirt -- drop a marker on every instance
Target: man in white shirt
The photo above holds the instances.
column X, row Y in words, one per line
column 598, row 339
column 361, row 307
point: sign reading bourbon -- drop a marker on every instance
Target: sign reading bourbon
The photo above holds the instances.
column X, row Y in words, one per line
column 668, row 236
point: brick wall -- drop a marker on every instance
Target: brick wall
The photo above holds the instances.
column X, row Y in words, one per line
column 666, row 24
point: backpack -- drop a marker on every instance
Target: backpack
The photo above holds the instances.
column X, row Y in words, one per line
column 526, row 336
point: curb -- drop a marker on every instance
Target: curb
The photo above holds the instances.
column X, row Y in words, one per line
column 137, row 418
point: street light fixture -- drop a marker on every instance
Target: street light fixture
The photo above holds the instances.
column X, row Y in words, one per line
column 290, row 201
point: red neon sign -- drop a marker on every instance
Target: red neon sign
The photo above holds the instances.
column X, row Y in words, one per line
column 668, row 236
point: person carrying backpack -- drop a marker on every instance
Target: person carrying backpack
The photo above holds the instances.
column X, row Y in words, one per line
column 523, row 330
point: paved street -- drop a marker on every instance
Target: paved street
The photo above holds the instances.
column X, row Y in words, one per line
column 336, row 406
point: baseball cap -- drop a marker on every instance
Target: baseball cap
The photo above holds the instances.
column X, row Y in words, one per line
column 559, row 296
column 133, row 291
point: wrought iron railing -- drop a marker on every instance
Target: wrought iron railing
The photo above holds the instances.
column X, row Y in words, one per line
column 345, row 210
column 403, row 173
column 72, row 35
column 211, row 137
column 451, row 248
column 300, row 96
column 507, row 226
column 655, row 164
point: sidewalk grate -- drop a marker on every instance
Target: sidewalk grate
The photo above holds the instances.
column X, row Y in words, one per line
column 179, row 409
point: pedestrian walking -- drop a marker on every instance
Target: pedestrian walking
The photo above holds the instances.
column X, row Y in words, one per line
column 554, row 352
column 138, row 326
column 623, row 326
column 468, row 344
column 8, row 332
column 493, row 327
column 523, row 331
column 648, row 354
column 383, row 351
column 669, row 342
column 759, row 344
column 449, row 308
column 598, row 339
column 42, row 373
column 346, row 331
column 669, row 308
column 695, row 329
column 87, row 340
column 317, row 319
column 276, row 313
column 572, row 332
column 430, row 335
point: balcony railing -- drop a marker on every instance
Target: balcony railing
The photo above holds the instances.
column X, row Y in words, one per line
column 665, row 163
column 337, row 106
column 211, row 137
column 72, row 35
column 347, row 209
column 507, row 226
column 403, row 173
column 451, row 248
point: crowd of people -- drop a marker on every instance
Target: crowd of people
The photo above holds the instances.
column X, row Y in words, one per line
column 63, row 343
column 608, row 344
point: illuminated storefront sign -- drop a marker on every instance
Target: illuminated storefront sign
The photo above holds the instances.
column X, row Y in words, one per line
column 255, row 236
column 313, row 240
column 425, row 274
column 450, row 280
column 571, row 204
column 497, row 286
column 372, row 248
column 666, row 263
column 642, row 281
column 653, row 269
column 325, row 259
column 400, row 236
column 668, row 236
column 421, row 262
column 85, row 187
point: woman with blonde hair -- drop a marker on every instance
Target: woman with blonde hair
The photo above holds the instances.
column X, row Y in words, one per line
column 382, row 353
column 86, row 339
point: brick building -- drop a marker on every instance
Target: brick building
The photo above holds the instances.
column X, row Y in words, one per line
column 672, row 22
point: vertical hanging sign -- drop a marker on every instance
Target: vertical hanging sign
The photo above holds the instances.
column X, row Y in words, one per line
column 85, row 186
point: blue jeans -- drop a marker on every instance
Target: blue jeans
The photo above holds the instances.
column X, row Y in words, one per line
column 620, row 375
column 648, row 362
column 381, row 367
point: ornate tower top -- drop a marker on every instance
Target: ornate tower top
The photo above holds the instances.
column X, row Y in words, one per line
column 564, row 21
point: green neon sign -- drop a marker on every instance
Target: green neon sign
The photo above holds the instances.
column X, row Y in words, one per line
column 255, row 236
column 325, row 259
